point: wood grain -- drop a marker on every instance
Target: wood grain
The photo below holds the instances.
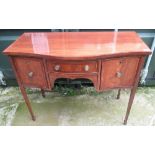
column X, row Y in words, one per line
column 22, row 89
column 93, row 78
column 34, row 67
column 133, row 90
column 126, row 67
column 73, row 66
column 78, row 45
column 111, row 60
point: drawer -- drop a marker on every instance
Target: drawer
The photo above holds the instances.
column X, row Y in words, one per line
column 72, row 66
column 119, row 72
column 31, row 71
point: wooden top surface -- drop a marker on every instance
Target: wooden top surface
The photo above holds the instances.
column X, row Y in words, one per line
column 78, row 45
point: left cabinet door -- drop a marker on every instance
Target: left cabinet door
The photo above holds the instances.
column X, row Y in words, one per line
column 31, row 71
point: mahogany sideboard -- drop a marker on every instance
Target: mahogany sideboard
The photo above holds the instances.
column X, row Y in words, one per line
column 111, row 60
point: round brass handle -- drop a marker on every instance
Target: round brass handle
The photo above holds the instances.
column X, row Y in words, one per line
column 57, row 67
column 119, row 74
column 121, row 61
column 30, row 74
column 86, row 68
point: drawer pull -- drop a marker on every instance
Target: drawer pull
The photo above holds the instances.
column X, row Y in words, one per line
column 121, row 61
column 57, row 67
column 30, row 74
column 86, row 68
column 119, row 74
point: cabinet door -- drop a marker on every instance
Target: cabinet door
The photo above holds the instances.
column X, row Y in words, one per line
column 118, row 72
column 31, row 72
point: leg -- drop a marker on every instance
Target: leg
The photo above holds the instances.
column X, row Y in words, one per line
column 118, row 95
column 22, row 88
column 23, row 91
column 133, row 90
column 132, row 94
column 43, row 92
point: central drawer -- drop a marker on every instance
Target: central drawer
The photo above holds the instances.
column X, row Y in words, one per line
column 72, row 66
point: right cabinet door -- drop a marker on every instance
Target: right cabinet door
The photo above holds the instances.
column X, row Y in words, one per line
column 119, row 72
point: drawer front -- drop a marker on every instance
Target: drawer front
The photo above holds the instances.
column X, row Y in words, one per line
column 119, row 72
column 72, row 67
column 31, row 71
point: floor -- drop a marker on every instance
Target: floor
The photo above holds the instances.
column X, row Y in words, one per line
column 76, row 109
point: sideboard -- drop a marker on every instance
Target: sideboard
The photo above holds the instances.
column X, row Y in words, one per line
column 111, row 60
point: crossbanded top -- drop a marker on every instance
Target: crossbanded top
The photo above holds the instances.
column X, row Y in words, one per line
column 78, row 45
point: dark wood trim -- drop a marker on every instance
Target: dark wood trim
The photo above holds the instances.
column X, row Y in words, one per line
column 118, row 94
column 46, row 73
column 43, row 93
column 99, row 73
column 136, row 53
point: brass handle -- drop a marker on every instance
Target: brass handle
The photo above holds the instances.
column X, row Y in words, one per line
column 86, row 68
column 122, row 61
column 119, row 74
column 57, row 67
column 30, row 74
